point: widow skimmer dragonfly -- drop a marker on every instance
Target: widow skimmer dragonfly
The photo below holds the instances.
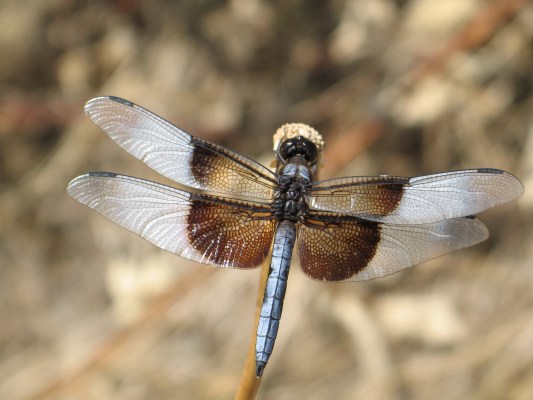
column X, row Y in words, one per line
column 344, row 229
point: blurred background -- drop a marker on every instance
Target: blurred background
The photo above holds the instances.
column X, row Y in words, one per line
column 406, row 87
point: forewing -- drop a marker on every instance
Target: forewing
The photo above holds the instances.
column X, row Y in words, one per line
column 418, row 200
column 206, row 229
column 336, row 248
column 177, row 155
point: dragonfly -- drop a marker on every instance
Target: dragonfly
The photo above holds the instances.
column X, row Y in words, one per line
column 237, row 213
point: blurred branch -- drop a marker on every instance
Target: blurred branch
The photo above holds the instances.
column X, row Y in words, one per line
column 338, row 154
column 474, row 33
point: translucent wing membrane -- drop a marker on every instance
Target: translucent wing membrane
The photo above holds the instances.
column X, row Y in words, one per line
column 336, row 248
column 419, row 200
column 357, row 228
column 178, row 155
column 206, row 229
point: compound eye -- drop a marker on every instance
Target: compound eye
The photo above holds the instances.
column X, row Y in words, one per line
column 309, row 151
column 298, row 146
column 287, row 149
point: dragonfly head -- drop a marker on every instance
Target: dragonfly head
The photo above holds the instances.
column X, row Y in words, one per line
column 296, row 139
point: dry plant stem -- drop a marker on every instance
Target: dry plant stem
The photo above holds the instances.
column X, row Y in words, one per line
column 123, row 336
column 249, row 382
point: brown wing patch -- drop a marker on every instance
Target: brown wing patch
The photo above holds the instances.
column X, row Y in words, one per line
column 377, row 196
column 220, row 170
column 335, row 248
column 229, row 233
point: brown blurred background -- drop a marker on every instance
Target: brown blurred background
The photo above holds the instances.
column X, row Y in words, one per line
column 405, row 87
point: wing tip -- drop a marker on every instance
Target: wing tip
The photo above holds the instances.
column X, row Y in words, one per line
column 92, row 103
column 490, row 171
column 102, row 174
column 71, row 186
column 120, row 100
column 480, row 232
column 472, row 229
column 516, row 187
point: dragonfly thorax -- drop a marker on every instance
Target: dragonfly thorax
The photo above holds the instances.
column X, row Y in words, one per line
column 289, row 200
